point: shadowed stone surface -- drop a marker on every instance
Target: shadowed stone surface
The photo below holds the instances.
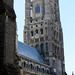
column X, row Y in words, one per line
column 7, row 67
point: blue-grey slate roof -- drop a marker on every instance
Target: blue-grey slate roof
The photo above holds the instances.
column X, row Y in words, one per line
column 28, row 51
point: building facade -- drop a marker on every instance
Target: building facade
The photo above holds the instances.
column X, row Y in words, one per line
column 43, row 31
column 8, row 64
column 30, row 61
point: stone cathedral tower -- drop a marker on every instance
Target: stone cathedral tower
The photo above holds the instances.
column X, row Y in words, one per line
column 43, row 31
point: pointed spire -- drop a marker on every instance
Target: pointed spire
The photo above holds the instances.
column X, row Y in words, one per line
column 72, row 73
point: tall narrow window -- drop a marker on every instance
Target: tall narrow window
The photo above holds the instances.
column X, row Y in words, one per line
column 51, row 10
column 41, row 39
column 36, row 25
column 23, row 64
column 46, row 46
column 31, row 33
column 37, row 68
column 37, row 9
column 41, row 31
column 25, row 32
column 31, row 66
column 42, row 69
column 42, row 48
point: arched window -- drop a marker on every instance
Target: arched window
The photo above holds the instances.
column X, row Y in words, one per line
column 36, row 31
column 37, row 9
column 41, row 31
column 47, row 71
column 23, row 64
column 42, row 69
column 46, row 46
column 31, row 66
column 37, row 68
column 42, row 48
column 31, row 33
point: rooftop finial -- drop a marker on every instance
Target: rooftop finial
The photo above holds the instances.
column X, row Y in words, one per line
column 72, row 73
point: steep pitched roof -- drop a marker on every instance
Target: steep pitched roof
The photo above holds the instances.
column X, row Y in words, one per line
column 28, row 51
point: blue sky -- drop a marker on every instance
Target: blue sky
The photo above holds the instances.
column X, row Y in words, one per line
column 67, row 15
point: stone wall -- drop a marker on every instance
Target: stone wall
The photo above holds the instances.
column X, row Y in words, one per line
column 8, row 60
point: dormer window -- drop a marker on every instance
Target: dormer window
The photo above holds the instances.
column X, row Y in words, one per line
column 37, row 9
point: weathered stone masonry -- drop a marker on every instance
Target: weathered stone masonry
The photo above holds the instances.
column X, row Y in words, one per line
column 8, row 64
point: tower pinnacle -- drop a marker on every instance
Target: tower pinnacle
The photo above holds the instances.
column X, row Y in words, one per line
column 72, row 73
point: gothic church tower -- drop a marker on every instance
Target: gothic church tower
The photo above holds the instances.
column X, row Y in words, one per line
column 43, row 31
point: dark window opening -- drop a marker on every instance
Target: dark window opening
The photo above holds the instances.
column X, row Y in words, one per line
column 41, row 39
column 36, row 31
column 31, row 21
column 31, row 33
column 23, row 64
column 31, row 26
column 36, row 25
column 41, row 31
column 41, row 24
column 37, row 68
column 47, row 71
column 43, row 70
column 42, row 48
column 31, row 66
column 25, row 32
column 46, row 46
